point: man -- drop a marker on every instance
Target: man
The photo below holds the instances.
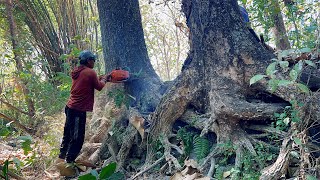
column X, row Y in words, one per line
column 84, row 82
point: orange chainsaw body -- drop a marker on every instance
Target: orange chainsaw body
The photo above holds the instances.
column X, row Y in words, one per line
column 118, row 76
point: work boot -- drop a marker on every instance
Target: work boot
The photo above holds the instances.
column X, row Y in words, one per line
column 67, row 169
column 85, row 163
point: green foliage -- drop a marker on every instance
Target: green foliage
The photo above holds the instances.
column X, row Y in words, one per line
column 64, row 79
column 5, row 170
column 193, row 142
column 187, row 139
column 275, row 82
column 310, row 177
column 252, row 165
column 107, row 173
column 26, row 144
column 300, row 20
column 283, row 119
column 18, row 163
column 120, row 97
column 5, row 130
column 158, row 147
column 257, row 78
column 228, row 151
column 201, row 147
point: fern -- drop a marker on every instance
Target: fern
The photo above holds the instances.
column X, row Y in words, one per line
column 187, row 139
column 193, row 143
column 201, row 147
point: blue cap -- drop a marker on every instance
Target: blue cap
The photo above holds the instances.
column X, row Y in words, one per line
column 86, row 55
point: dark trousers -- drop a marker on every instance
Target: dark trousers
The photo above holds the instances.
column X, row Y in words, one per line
column 73, row 135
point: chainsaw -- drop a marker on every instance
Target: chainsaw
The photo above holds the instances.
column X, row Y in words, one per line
column 118, row 76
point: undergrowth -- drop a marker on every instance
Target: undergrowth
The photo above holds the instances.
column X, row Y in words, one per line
column 193, row 143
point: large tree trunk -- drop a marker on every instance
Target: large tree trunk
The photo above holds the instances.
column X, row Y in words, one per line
column 223, row 57
column 124, row 47
column 215, row 82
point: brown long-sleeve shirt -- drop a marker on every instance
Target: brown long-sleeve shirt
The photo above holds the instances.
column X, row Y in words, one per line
column 84, row 82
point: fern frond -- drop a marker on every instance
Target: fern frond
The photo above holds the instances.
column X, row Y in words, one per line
column 201, row 147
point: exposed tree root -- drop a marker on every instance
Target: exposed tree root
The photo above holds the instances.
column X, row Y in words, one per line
column 238, row 163
column 297, row 133
column 168, row 156
column 216, row 152
column 128, row 140
column 174, row 103
column 148, row 168
column 223, row 119
column 113, row 147
column 212, row 167
column 89, row 151
column 268, row 129
column 274, row 149
column 198, row 121
column 276, row 170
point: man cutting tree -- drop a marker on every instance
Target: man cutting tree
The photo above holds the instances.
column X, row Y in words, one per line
column 84, row 82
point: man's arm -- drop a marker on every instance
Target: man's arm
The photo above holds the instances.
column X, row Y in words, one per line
column 98, row 82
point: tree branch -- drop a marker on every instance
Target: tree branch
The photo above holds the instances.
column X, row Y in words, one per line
column 17, row 123
column 14, row 108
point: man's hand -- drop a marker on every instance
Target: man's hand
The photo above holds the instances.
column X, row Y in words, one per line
column 103, row 78
column 108, row 77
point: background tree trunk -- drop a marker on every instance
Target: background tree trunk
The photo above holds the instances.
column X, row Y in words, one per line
column 15, row 46
column 279, row 30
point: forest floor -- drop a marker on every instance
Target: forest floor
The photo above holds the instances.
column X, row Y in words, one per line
column 42, row 171
column 38, row 163
column 38, row 169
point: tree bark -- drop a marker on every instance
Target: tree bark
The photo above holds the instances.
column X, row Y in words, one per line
column 124, row 47
column 224, row 58
column 214, row 82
